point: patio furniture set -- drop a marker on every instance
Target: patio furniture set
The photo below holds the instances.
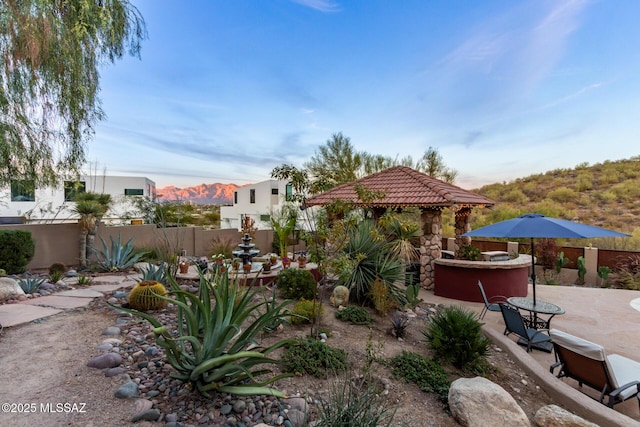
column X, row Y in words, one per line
column 615, row 377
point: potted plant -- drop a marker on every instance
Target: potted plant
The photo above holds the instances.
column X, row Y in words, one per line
column 184, row 267
column 246, row 267
column 302, row 260
column 266, row 267
column 286, row 262
column 274, row 259
column 235, row 264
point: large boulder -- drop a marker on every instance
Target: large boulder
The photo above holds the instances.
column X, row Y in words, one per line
column 555, row 416
column 479, row 402
column 9, row 289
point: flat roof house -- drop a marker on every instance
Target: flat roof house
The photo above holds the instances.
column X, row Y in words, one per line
column 21, row 202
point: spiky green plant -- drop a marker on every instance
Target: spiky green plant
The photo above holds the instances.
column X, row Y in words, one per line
column 30, row 284
column 369, row 258
column 154, row 273
column 118, row 257
column 455, row 335
column 214, row 330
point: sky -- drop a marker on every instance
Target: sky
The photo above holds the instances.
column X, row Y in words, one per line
column 225, row 91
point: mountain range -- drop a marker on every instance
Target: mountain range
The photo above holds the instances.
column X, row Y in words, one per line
column 203, row 194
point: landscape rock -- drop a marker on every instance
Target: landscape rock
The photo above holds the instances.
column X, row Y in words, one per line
column 9, row 288
column 479, row 402
column 149, row 415
column 112, row 372
column 112, row 330
column 127, row 390
column 106, row 360
column 555, row 416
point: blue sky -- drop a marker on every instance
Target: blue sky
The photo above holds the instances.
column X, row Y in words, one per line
column 227, row 90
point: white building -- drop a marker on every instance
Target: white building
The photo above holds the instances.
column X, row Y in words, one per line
column 21, row 202
column 255, row 201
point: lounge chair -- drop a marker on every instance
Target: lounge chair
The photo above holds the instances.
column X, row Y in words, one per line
column 529, row 337
column 614, row 376
column 490, row 304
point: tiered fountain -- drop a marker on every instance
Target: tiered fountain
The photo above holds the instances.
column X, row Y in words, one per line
column 246, row 251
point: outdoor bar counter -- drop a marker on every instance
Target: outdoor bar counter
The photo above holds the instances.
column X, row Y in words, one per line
column 458, row 278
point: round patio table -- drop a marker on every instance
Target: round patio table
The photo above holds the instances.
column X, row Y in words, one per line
column 540, row 307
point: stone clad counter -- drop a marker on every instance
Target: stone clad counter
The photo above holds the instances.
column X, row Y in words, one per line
column 458, row 279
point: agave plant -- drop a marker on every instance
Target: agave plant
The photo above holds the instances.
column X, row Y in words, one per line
column 30, row 284
column 154, row 273
column 118, row 257
column 210, row 348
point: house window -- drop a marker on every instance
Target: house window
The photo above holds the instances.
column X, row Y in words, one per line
column 265, row 218
column 235, row 197
column 72, row 189
column 274, row 191
column 252, row 195
column 289, row 193
column 23, row 190
column 133, row 192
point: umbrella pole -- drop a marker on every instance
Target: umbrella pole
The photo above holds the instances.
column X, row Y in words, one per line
column 533, row 270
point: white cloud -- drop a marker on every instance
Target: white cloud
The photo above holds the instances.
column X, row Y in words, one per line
column 320, row 5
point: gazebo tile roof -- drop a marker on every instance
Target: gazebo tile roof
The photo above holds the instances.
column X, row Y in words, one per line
column 403, row 186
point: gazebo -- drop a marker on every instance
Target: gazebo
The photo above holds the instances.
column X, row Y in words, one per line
column 404, row 187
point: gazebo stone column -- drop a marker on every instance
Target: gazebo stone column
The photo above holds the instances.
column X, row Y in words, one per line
column 430, row 245
column 462, row 225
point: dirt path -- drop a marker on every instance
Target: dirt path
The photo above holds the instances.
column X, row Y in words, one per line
column 44, row 377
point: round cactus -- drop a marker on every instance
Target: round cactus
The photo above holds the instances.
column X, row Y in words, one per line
column 144, row 296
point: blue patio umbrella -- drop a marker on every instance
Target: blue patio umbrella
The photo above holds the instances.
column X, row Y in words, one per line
column 534, row 226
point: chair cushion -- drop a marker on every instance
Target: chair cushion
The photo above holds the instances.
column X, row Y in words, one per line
column 578, row 345
column 624, row 371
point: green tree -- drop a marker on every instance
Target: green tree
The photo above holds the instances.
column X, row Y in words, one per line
column 337, row 161
column 49, row 80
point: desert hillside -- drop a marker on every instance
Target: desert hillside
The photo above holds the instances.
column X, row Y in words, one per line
column 203, row 194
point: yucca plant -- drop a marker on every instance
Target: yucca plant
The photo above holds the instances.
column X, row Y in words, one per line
column 369, row 258
column 118, row 257
column 210, row 348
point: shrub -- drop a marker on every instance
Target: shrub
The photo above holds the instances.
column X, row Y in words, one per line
column 423, row 372
column 222, row 245
column 207, row 344
column 312, row 357
column 295, row 283
column 16, row 250
column 470, row 253
column 381, row 298
column 306, row 311
column 55, row 276
column 455, row 335
column 353, row 403
column 354, row 314
column 84, row 280
column 399, row 325
column 57, row 267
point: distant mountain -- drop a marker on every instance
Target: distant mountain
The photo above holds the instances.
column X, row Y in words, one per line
column 203, row 194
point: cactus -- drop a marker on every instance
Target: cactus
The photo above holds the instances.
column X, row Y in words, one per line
column 145, row 296
column 582, row 270
column 57, row 267
column 413, row 290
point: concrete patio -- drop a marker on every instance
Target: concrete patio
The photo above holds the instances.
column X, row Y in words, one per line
column 608, row 317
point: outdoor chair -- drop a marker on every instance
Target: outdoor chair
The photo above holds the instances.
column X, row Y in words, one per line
column 614, row 376
column 529, row 337
column 490, row 304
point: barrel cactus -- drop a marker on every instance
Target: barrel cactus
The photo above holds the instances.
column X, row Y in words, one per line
column 144, row 296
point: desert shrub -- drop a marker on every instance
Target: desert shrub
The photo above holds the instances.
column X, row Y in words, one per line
column 455, row 335
column 428, row 375
column 309, row 356
column 16, row 250
column 515, row 195
column 584, row 181
column 57, row 267
column 306, row 311
column 626, row 273
column 562, row 195
column 381, row 298
column 84, row 280
column 222, row 245
column 546, row 254
column 354, row 314
column 355, row 403
column 296, row 283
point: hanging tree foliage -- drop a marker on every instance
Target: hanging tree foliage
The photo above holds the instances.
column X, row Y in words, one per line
column 50, row 52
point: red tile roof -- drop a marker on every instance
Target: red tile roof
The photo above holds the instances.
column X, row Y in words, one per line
column 403, row 187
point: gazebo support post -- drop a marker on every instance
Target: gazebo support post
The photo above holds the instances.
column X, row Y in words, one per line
column 430, row 244
column 462, row 225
